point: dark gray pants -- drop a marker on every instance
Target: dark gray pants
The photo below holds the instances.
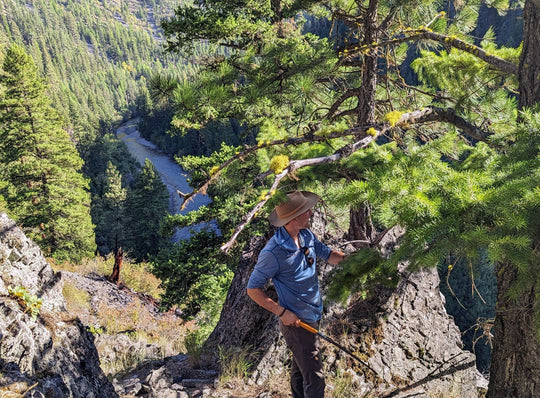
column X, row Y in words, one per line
column 307, row 379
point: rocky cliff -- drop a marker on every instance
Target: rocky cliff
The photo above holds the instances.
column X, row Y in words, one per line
column 407, row 343
column 43, row 351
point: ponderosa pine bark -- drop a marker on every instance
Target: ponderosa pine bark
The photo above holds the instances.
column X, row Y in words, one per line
column 361, row 230
column 515, row 368
column 529, row 62
column 515, row 365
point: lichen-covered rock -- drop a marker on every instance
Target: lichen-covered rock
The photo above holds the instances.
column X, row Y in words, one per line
column 409, row 341
column 46, row 353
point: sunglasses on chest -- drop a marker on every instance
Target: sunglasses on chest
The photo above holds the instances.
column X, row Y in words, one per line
column 309, row 260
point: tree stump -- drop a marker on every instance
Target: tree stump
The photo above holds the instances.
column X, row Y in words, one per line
column 118, row 258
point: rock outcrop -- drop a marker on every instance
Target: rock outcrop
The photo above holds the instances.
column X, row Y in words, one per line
column 407, row 343
column 410, row 345
column 172, row 377
column 43, row 352
column 406, row 337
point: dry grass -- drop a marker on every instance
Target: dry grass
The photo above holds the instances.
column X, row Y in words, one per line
column 77, row 301
column 136, row 276
column 137, row 320
column 234, row 363
column 340, row 385
column 276, row 386
column 165, row 330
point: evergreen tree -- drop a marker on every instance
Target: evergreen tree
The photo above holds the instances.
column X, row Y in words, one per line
column 146, row 207
column 192, row 284
column 109, row 213
column 445, row 160
column 45, row 190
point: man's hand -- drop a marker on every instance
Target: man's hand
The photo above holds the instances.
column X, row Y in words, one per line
column 289, row 318
column 336, row 257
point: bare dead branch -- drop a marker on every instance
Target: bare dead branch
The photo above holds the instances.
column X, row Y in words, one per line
column 341, row 153
column 249, row 216
column 380, row 237
column 355, row 241
column 448, row 115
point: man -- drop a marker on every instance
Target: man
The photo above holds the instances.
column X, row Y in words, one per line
column 289, row 259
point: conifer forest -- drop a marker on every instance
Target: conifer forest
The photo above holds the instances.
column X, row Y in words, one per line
column 418, row 114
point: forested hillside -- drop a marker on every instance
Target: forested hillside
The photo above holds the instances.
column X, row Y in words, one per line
column 95, row 55
column 95, row 58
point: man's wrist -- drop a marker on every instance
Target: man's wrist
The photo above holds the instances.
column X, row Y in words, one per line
column 282, row 312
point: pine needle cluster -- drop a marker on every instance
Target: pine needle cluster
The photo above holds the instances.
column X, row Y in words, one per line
column 454, row 200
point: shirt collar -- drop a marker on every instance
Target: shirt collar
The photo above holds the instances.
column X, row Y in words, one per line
column 284, row 239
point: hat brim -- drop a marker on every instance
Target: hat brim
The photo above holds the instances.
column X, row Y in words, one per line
column 311, row 200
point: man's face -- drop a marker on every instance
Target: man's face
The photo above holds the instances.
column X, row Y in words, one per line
column 303, row 219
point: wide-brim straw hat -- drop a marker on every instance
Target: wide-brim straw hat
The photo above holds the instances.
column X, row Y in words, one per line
column 297, row 203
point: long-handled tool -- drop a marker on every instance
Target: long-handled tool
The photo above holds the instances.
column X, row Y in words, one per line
column 325, row 337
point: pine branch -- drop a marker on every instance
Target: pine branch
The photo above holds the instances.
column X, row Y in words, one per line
column 501, row 64
column 426, row 115
column 345, row 96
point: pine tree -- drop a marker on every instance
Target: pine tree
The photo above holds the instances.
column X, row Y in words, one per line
column 45, row 190
column 108, row 212
column 455, row 171
column 146, row 206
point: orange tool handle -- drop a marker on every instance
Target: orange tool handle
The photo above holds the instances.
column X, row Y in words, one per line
column 308, row 328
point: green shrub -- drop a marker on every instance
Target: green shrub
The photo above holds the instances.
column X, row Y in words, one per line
column 31, row 303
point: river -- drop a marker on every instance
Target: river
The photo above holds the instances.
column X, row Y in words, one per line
column 173, row 176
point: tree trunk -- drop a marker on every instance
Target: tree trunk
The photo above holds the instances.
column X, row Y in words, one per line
column 118, row 258
column 244, row 324
column 366, row 99
column 361, row 231
column 529, row 62
column 515, row 366
column 360, row 227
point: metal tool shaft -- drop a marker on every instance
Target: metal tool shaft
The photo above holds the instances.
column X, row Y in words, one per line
column 331, row 341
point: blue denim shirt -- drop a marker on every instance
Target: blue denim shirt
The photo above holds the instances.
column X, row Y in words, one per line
column 295, row 280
